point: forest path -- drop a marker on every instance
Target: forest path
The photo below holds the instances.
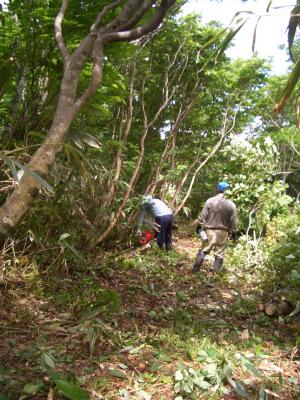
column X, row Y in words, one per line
column 122, row 325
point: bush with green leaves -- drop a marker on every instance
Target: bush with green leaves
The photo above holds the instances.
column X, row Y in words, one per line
column 251, row 169
column 282, row 249
column 275, row 257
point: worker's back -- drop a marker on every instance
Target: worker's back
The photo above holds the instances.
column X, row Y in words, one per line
column 219, row 213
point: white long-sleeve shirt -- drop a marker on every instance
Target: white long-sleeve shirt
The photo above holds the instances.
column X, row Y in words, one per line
column 155, row 207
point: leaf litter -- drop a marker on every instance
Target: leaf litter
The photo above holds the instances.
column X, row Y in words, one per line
column 166, row 317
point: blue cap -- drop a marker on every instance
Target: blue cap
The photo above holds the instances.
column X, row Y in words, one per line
column 222, row 186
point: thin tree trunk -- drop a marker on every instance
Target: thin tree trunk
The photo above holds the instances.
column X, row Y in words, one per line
column 17, row 101
column 168, row 146
column 166, row 184
column 133, row 180
column 203, row 163
column 185, row 175
column 118, row 158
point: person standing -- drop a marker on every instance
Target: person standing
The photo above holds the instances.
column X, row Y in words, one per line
column 163, row 217
column 219, row 217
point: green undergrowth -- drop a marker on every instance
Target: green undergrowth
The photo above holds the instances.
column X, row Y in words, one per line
column 142, row 326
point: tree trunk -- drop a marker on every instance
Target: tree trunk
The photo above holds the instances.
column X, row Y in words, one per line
column 275, row 309
column 18, row 203
column 18, row 98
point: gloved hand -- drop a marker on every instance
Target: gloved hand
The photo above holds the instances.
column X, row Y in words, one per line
column 198, row 229
column 234, row 236
column 156, row 227
column 139, row 233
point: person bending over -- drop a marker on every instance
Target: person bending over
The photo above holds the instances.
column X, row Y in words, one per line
column 163, row 217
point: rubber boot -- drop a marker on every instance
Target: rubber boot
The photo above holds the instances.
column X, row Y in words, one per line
column 218, row 263
column 199, row 260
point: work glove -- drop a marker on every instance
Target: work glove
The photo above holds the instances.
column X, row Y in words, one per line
column 156, row 227
column 139, row 233
column 198, row 229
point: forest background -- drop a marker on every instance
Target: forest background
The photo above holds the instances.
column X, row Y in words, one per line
column 85, row 131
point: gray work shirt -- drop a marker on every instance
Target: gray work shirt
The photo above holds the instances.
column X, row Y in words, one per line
column 155, row 207
column 219, row 213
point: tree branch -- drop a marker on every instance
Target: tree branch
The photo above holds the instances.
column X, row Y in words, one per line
column 137, row 15
column 58, row 30
column 216, row 147
column 96, row 76
column 102, row 14
column 127, row 11
column 136, row 33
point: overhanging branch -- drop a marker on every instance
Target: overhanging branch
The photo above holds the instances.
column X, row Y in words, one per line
column 136, row 33
column 146, row 5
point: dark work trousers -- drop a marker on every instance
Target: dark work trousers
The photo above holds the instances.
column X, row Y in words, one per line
column 164, row 236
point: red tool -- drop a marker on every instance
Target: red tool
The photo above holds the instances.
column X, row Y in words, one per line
column 146, row 237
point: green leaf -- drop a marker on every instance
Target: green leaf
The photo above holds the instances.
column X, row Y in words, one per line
column 293, row 380
column 296, row 310
column 250, row 367
column 292, row 27
column 226, row 371
column 30, row 388
column 227, row 41
column 71, row 391
column 12, row 166
column 177, row 387
column 178, row 376
column 69, row 246
column 209, row 370
column 239, row 389
column 76, row 154
column 254, row 35
column 34, row 175
column 90, row 140
column 37, row 134
column 288, row 88
column 64, row 236
column 262, row 394
column 212, row 352
column 91, row 313
column 92, row 339
column 12, row 163
column 48, row 360
column 202, row 383
column 202, row 354
column 118, row 374
column 124, row 393
column 269, row 5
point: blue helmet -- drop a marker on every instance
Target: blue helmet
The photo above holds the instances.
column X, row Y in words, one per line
column 222, row 186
